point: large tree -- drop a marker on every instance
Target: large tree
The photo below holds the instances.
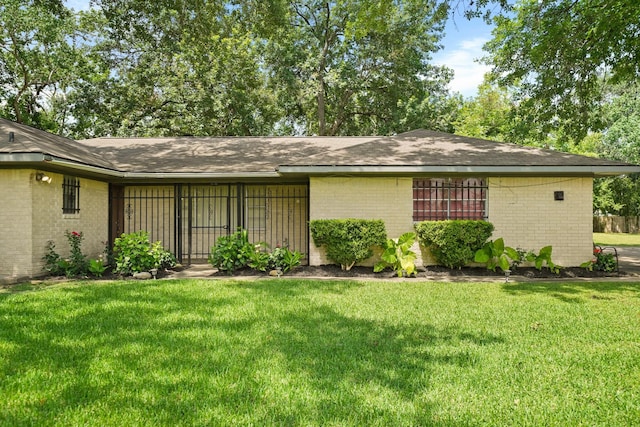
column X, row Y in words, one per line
column 558, row 53
column 352, row 66
column 39, row 56
column 171, row 68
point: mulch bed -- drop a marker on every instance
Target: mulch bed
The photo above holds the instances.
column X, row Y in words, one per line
column 329, row 271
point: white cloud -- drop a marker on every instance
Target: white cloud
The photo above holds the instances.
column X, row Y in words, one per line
column 463, row 60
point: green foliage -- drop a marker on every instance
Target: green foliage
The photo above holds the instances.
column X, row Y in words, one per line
column 39, row 60
column 260, row 257
column 78, row 264
column 198, row 352
column 602, row 261
column 232, row 252
column 283, row 259
column 558, row 52
column 544, row 258
column 495, row 254
column 225, row 68
column 96, row 267
column 453, row 243
column 331, row 69
column 134, row 253
column 348, row 241
column 74, row 266
column 487, row 115
column 52, row 260
column 617, row 195
column 398, row 255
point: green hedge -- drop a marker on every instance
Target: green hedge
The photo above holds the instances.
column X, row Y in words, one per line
column 453, row 243
column 348, row 241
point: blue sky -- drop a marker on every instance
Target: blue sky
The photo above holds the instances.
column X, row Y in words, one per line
column 463, row 43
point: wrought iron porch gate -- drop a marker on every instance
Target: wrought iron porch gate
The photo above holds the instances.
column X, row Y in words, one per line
column 188, row 218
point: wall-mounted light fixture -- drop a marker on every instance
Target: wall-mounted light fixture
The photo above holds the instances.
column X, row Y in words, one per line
column 42, row 177
column 558, row 195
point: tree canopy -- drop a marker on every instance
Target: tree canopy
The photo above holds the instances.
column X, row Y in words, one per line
column 557, row 53
column 225, row 67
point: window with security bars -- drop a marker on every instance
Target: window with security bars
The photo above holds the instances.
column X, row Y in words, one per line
column 449, row 198
column 70, row 195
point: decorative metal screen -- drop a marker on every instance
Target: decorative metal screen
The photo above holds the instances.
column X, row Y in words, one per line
column 449, row 198
column 188, row 219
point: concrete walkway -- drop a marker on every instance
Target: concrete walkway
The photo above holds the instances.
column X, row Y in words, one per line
column 628, row 258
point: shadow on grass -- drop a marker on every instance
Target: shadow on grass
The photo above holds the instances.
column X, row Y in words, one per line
column 574, row 292
column 211, row 353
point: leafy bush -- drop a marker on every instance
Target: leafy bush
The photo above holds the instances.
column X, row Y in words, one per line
column 97, row 267
column 348, row 241
column 53, row 263
column 399, row 256
column 496, row 254
column 232, row 252
column 77, row 263
column 601, row 261
column 284, row 259
column 133, row 253
column 260, row 258
column 544, row 257
column 453, row 243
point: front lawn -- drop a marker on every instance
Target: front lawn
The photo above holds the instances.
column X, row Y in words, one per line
column 303, row 352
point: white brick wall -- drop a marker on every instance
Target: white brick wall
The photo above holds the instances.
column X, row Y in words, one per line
column 15, row 223
column 523, row 211
column 31, row 214
column 525, row 214
column 388, row 199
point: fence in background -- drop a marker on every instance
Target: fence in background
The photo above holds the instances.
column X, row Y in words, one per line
column 616, row 224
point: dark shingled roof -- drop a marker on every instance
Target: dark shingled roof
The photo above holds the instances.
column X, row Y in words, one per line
column 28, row 140
column 411, row 152
column 214, row 154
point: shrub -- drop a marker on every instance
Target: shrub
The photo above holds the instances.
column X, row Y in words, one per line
column 53, row 263
column 496, row 254
column 232, row 252
column 133, row 253
column 398, row 255
column 601, row 261
column 348, row 241
column 453, row 243
column 77, row 263
column 97, row 267
column 284, row 259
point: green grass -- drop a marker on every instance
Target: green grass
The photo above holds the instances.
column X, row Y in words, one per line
column 616, row 239
column 302, row 352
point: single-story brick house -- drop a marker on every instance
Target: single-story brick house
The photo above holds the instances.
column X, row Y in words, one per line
column 187, row 191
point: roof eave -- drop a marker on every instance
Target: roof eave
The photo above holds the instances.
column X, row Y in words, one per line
column 46, row 161
column 593, row 170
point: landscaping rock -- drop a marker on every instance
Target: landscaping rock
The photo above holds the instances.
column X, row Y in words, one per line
column 143, row 275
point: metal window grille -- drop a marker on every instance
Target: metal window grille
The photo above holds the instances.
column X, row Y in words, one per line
column 449, row 198
column 70, row 195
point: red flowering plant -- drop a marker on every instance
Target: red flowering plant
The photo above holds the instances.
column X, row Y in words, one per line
column 78, row 263
column 601, row 261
